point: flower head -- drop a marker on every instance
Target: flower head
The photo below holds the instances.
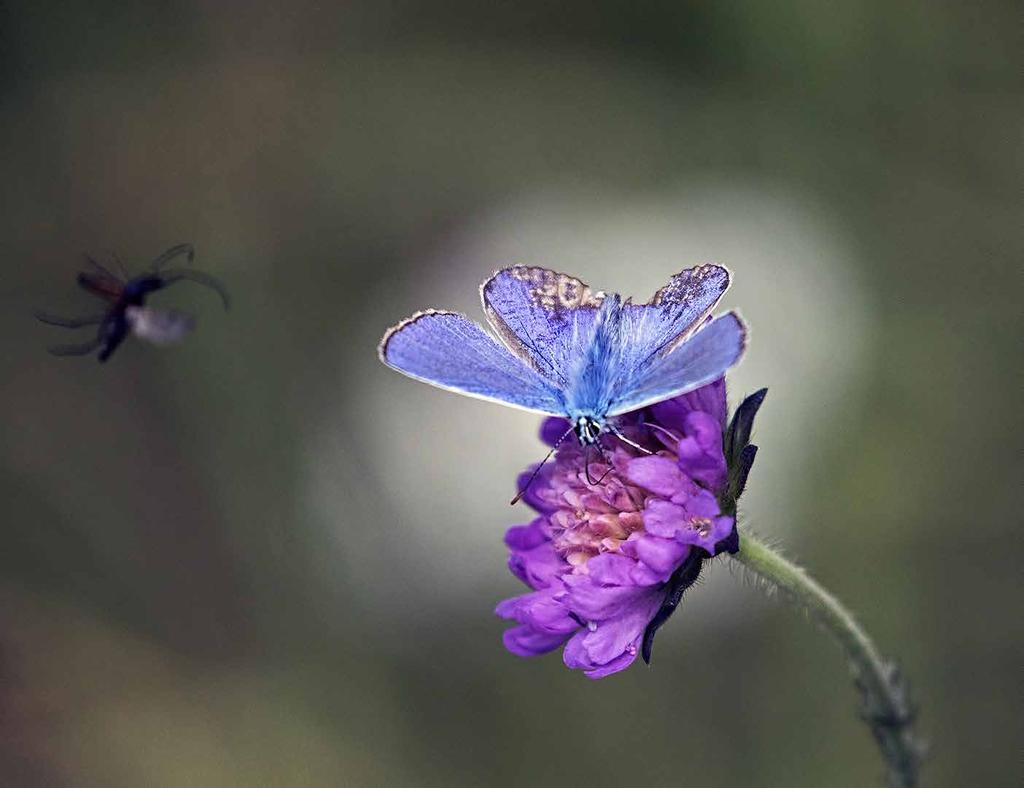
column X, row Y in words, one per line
column 620, row 532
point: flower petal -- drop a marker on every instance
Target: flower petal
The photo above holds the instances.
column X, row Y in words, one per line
column 524, row 641
column 709, row 399
column 537, row 492
column 701, row 455
column 539, row 567
column 552, row 429
column 665, row 519
column 592, row 601
column 608, row 646
column 541, row 610
column 661, row 555
column 526, row 537
column 707, row 533
column 658, row 474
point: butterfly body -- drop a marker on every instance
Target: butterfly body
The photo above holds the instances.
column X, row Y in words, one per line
column 593, row 378
column 566, row 350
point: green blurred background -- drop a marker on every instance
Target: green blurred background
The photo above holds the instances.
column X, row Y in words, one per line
column 264, row 559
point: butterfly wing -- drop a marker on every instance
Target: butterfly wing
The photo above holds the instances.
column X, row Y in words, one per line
column 677, row 309
column 701, row 357
column 452, row 352
column 545, row 318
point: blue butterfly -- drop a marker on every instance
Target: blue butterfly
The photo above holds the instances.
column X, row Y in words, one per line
column 568, row 351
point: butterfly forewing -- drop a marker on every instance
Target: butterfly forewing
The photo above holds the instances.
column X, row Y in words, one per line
column 452, row 352
column 544, row 317
column 677, row 309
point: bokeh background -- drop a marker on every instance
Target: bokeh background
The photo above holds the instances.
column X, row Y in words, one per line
column 262, row 558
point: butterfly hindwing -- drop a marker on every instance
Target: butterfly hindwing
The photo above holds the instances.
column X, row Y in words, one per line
column 452, row 352
column 700, row 358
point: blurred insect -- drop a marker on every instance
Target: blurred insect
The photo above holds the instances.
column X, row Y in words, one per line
column 127, row 312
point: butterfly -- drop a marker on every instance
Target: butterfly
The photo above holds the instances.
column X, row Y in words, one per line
column 561, row 349
column 127, row 312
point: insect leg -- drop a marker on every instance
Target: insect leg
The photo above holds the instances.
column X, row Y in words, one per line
column 590, row 479
column 586, row 465
column 120, row 265
column 68, row 322
column 600, row 450
column 112, row 342
column 100, row 267
column 615, row 430
column 175, row 251
column 76, row 350
column 178, row 274
column 662, row 430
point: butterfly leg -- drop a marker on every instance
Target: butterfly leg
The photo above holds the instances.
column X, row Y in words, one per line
column 615, row 431
column 658, row 428
column 590, row 479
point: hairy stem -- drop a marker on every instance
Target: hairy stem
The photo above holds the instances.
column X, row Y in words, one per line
column 886, row 708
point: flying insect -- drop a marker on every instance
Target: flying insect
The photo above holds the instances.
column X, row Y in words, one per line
column 126, row 311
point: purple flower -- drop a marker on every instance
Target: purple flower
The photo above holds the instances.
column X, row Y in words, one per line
column 608, row 561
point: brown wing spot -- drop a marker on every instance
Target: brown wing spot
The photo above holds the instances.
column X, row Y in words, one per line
column 686, row 284
column 554, row 291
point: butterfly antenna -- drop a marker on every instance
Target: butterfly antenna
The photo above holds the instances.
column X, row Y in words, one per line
column 615, row 430
column 533, row 475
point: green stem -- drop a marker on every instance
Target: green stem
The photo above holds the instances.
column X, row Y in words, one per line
column 886, row 708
